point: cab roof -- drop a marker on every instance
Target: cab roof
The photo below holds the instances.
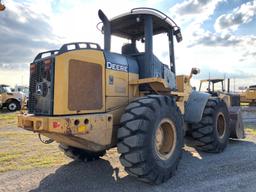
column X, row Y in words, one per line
column 212, row 80
column 130, row 25
column 3, row 85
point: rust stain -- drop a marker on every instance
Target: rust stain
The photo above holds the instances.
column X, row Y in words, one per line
column 68, row 130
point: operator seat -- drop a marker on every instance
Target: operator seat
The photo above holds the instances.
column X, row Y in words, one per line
column 129, row 49
column 149, row 70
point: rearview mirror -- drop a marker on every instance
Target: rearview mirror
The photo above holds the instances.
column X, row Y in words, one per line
column 178, row 35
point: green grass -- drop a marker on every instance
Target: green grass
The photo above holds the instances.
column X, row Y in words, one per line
column 8, row 119
column 251, row 131
column 21, row 150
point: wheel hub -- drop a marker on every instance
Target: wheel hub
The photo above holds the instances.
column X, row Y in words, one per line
column 165, row 139
column 221, row 125
column 12, row 106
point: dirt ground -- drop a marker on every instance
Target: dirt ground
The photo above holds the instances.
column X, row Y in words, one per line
column 232, row 170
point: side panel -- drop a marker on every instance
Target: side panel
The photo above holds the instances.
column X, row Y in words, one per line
column 116, row 75
column 120, row 70
column 116, row 83
column 133, row 90
column 194, row 107
column 115, row 106
column 63, row 100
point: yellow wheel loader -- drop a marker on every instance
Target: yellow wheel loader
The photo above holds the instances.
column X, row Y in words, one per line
column 216, row 87
column 90, row 99
column 249, row 96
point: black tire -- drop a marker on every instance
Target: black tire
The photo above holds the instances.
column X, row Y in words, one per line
column 213, row 131
column 13, row 106
column 81, row 154
column 137, row 140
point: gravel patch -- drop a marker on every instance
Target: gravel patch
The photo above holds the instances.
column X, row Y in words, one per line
column 233, row 170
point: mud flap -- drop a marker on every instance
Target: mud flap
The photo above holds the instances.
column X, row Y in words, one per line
column 236, row 123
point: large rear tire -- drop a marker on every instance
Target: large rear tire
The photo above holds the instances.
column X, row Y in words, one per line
column 150, row 138
column 212, row 132
column 81, row 154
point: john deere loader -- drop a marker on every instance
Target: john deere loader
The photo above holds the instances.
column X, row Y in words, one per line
column 90, row 99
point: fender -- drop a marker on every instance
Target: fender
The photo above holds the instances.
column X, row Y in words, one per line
column 12, row 99
column 194, row 107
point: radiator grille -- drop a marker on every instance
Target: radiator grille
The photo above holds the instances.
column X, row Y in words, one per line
column 34, row 77
column 40, row 104
column 84, row 86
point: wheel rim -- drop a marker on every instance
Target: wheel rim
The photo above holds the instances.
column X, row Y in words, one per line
column 165, row 139
column 221, row 125
column 12, row 106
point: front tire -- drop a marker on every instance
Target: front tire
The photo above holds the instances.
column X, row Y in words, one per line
column 13, row 106
column 150, row 138
column 212, row 132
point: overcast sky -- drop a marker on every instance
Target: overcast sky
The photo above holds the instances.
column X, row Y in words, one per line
column 219, row 35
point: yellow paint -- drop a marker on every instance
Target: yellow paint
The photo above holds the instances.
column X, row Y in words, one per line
column 133, row 90
column 119, row 84
column 97, row 130
column 31, row 122
column 115, row 102
column 61, row 78
column 148, row 81
column 82, row 128
column 115, row 106
column 248, row 96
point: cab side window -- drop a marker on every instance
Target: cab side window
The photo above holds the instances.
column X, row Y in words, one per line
column 161, row 50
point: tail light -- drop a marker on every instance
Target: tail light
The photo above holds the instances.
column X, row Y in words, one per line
column 32, row 68
column 47, row 68
column 47, row 65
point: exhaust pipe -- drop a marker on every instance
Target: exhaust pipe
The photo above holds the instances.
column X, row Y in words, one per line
column 106, row 29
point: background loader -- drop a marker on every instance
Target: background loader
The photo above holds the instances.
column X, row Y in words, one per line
column 249, row 96
column 90, row 99
column 216, row 87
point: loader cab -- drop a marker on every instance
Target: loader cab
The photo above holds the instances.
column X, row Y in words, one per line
column 212, row 86
column 138, row 26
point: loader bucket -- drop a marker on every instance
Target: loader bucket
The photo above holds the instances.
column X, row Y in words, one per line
column 236, row 123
